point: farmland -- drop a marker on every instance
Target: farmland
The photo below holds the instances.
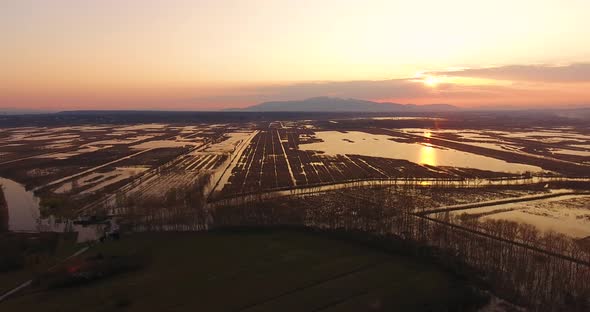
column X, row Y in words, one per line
column 85, row 167
column 521, row 186
column 281, row 270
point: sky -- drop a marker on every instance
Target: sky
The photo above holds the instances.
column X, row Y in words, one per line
column 216, row 54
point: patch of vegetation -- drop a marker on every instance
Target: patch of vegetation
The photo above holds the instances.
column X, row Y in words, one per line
column 80, row 271
column 22, row 255
column 274, row 270
column 56, row 205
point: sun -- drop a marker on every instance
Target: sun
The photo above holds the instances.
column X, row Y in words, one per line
column 431, row 81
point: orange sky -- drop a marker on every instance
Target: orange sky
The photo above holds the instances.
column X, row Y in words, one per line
column 214, row 54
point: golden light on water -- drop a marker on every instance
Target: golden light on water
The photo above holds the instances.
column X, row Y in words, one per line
column 428, row 155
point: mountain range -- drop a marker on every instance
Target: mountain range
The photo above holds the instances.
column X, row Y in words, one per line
column 331, row 104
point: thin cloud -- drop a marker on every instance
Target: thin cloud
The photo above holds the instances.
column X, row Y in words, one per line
column 523, row 90
column 363, row 89
column 403, row 91
column 540, row 73
column 350, row 89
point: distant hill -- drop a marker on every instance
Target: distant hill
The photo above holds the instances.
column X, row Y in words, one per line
column 330, row 104
column 577, row 113
column 20, row 111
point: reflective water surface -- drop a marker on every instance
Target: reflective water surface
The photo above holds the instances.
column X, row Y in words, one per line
column 361, row 143
column 24, row 214
column 569, row 214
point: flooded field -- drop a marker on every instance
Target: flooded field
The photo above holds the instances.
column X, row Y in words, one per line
column 549, row 143
column 83, row 168
column 568, row 214
column 96, row 181
column 360, row 143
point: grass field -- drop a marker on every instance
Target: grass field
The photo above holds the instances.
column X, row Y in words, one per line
column 265, row 271
column 36, row 262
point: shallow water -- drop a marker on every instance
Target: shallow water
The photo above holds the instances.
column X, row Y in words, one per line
column 142, row 127
column 103, row 179
column 66, row 155
column 129, row 140
column 406, row 118
column 235, row 144
column 566, row 223
column 570, row 152
column 164, row 144
column 569, row 214
column 23, row 206
column 548, row 136
column 375, row 145
column 230, row 143
column 24, row 215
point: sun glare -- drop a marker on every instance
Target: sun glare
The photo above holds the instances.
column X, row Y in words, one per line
column 431, row 81
column 427, row 155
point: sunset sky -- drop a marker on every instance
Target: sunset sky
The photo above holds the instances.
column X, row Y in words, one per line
column 215, row 54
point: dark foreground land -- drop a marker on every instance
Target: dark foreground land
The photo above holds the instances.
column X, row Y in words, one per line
column 256, row 271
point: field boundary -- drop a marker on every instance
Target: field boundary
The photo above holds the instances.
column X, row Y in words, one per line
column 416, row 182
column 500, row 202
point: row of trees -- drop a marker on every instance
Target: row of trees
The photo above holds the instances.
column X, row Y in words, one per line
column 181, row 208
column 545, row 271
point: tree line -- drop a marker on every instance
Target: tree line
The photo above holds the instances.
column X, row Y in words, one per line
column 544, row 271
column 541, row 270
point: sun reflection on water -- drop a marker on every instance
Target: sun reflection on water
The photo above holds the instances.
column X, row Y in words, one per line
column 427, row 155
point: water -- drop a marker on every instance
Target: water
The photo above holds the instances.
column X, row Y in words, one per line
column 361, row 143
column 568, row 214
column 585, row 153
column 101, row 180
column 24, row 214
column 23, row 207
column 235, row 144
column 164, row 144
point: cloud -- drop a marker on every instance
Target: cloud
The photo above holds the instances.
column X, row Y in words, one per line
column 230, row 96
column 540, row 73
column 362, row 89
column 530, row 85
column 405, row 91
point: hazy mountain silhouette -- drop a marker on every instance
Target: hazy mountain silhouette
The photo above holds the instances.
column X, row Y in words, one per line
column 22, row 111
column 330, row 104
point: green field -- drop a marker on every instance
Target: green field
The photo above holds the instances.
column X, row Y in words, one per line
column 34, row 263
column 265, row 271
